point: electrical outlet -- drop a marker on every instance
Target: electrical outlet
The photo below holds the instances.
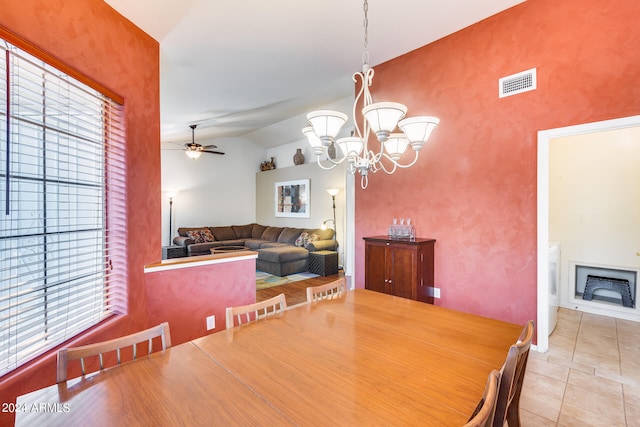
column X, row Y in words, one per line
column 211, row 322
column 436, row 292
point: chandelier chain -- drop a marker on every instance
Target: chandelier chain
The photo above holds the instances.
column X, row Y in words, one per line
column 365, row 24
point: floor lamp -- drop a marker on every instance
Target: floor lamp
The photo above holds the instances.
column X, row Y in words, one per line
column 333, row 192
column 171, row 196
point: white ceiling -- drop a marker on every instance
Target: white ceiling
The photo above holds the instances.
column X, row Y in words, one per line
column 255, row 67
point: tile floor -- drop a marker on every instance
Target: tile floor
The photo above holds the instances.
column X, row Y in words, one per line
column 589, row 377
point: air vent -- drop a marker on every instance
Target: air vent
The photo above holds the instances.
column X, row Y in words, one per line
column 517, row 83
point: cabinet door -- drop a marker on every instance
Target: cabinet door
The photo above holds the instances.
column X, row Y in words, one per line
column 375, row 277
column 425, row 278
column 404, row 277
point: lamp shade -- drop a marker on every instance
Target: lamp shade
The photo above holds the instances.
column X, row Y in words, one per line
column 333, row 191
column 351, row 147
column 193, row 154
column 383, row 117
column 326, row 124
column 395, row 145
column 418, row 129
column 314, row 141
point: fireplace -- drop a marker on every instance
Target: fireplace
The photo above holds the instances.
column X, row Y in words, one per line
column 606, row 285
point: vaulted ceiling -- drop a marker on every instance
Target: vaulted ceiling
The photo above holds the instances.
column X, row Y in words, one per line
column 254, row 68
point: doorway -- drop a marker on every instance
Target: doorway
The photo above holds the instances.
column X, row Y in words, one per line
column 545, row 137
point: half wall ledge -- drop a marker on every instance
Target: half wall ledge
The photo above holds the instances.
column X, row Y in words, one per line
column 200, row 260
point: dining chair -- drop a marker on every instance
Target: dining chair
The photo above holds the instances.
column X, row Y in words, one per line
column 484, row 413
column 99, row 349
column 259, row 310
column 507, row 407
column 329, row 290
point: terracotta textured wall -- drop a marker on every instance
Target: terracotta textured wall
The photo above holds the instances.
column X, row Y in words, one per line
column 207, row 290
column 474, row 187
column 92, row 38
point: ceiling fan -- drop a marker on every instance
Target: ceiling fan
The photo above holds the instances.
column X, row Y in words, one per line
column 194, row 150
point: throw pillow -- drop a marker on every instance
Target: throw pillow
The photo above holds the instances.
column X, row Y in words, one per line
column 201, row 236
column 314, row 237
column 207, row 236
column 302, row 240
column 305, row 239
column 194, row 235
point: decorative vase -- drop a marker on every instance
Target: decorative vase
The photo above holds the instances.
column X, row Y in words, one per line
column 331, row 151
column 298, row 158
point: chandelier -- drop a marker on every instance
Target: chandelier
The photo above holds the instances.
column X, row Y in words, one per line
column 381, row 118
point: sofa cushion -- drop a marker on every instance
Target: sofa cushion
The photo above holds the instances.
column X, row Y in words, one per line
column 255, row 244
column 223, row 233
column 289, row 235
column 243, row 231
column 203, row 248
column 284, row 253
column 272, row 233
column 257, row 231
column 268, row 244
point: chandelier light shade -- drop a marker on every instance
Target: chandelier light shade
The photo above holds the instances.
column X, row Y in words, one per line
column 395, row 145
column 418, row 129
column 314, row 141
column 381, row 118
column 326, row 124
column 351, row 147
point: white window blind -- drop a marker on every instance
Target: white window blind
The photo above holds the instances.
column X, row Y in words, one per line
column 62, row 209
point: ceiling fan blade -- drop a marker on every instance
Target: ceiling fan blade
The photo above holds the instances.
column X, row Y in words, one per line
column 208, row 147
column 212, row 152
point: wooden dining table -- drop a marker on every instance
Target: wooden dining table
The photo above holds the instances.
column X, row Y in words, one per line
column 365, row 358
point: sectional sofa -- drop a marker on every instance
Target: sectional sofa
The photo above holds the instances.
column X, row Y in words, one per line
column 281, row 250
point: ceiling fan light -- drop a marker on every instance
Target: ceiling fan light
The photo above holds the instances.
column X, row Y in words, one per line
column 396, row 145
column 383, row 117
column 193, row 154
column 326, row 124
column 314, row 141
column 418, row 129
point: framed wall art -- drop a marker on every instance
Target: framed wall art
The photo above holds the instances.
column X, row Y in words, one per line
column 292, row 198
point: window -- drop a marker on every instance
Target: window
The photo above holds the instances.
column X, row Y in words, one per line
column 61, row 207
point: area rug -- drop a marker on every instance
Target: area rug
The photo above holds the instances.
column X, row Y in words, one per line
column 266, row 280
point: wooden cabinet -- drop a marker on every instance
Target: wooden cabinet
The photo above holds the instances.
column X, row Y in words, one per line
column 402, row 268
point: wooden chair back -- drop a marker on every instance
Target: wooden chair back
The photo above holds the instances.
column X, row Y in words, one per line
column 329, row 290
column 99, row 349
column 484, row 413
column 508, row 405
column 259, row 310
